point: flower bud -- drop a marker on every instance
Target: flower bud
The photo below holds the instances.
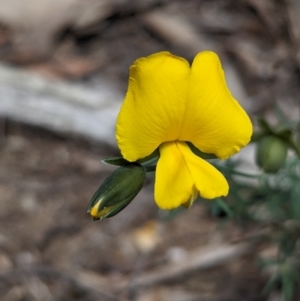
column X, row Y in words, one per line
column 117, row 191
column 271, row 153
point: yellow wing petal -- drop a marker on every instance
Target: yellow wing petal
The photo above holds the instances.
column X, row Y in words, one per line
column 208, row 180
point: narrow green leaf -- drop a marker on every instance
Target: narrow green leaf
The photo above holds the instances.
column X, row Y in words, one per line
column 117, row 161
column 224, row 207
column 271, row 284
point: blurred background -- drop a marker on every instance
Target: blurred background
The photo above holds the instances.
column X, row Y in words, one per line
column 63, row 74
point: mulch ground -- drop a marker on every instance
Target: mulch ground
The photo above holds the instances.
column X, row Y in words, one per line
column 50, row 249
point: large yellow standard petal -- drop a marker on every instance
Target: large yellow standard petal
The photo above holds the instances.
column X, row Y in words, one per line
column 167, row 100
column 180, row 173
column 154, row 107
column 214, row 121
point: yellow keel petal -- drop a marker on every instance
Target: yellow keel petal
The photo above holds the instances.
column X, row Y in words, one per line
column 192, row 199
column 173, row 181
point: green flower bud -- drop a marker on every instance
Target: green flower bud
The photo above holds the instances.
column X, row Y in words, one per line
column 271, row 153
column 117, row 191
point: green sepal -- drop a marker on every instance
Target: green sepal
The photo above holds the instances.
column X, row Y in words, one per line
column 285, row 133
column 256, row 136
column 200, row 154
column 264, row 126
column 117, row 161
column 120, row 161
column 282, row 132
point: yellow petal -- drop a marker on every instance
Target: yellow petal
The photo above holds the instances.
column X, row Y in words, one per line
column 173, row 181
column 214, row 121
column 180, row 175
column 208, row 180
column 192, row 199
column 154, row 107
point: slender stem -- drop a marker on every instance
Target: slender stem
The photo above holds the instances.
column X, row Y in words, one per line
column 150, row 168
column 294, row 147
column 238, row 173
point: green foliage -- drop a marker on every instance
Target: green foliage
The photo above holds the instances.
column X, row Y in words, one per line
column 272, row 203
column 270, row 200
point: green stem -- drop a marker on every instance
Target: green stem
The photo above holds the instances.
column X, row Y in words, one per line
column 238, row 173
column 295, row 147
column 150, row 168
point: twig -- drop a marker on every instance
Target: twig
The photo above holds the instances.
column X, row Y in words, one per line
column 88, row 282
column 62, row 107
column 293, row 12
column 177, row 30
column 195, row 262
column 100, row 286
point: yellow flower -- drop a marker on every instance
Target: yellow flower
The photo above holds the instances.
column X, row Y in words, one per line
column 169, row 103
